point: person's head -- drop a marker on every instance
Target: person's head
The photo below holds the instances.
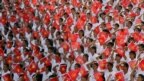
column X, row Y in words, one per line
column 132, row 55
column 77, row 65
column 141, row 47
column 110, row 66
column 110, row 44
column 140, row 77
column 118, row 58
column 129, row 24
column 93, row 49
column 125, row 67
column 89, row 26
column 81, row 33
column 85, row 57
column 95, row 65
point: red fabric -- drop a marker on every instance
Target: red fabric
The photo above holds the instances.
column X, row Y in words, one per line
column 79, row 59
column 83, row 71
column 32, row 67
column 137, row 36
column 120, row 51
column 119, row 76
column 96, row 6
column 7, row 77
column 108, row 26
column 102, row 37
column 46, row 61
column 132, row 64
column 9, row 59
column 107, row 52
column 141, row 65
column 75, row 45
column 54, row 79
column 73, row 74
column 98, row 76
column 125, row 3
column 1, row 52
column 132, row 46
column 102, row 64
column 97, row 30
column 63, row 68
column 17, row 69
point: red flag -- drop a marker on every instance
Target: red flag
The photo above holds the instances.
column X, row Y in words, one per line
column 63, row 68
column 13, row 18
column 17, row 69
column 3, row 20
column 96, row 6
column 69, row 21
column 44, row 32
column 7, row 77
column 54, row 79
column 65, row 46
column 36, row 34
column 108, row 26
column 102, row 64
column 83, row 71
column 25, row 77
column 47, row 18
column 102, row 37
column 1, row 52
column 32, row 67
column 75, row 45
column 73, row 74
column 80, row 24
column 46, row 61
column 132, row 46
column 98, row 76
column 119, row 76
column 93, row 19
column 125, row 3
column 107, row 52
column 97, row 30
column 9, row 59
column 132, row 64
column 34, row 2
column 66, row 77
column 74, row 37
column 79, row 59
column 135, row 1
column 120, row 51
column 137, row 36
column 141, row 65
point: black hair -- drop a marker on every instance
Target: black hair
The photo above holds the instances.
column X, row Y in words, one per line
column 110, row 63
column 78, row 65
column 133, row 53
column 142, row 76
column 94, row 48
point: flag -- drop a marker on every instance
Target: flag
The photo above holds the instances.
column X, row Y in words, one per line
column 66, row 77
column 125, row 3
column 79, row 59
column 132, row 63
column 73, row 74
column 107, row 52
column 44, row 32
column 102, row 37
column 7, row 77
column 9, row 59
column 97, row 30
column 137, row 36
column 74, row 37
column 120, row 51
column 102, row 64
column 93, row 19
column 32, row 67
column 63, row 68
column 46, row 61
column 132, row 46
column 53, row 79
column 96, row 6
column 75, row 45
column 17, row 69
column 1, row 52
column 108, row 26
column 69, row 21
column 98, row 76
column 65, row 46
column 83, row 71
column 141, row 65
column 119, row 76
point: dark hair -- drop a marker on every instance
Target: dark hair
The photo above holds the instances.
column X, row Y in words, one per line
column 142, row 76
column 126, row 65
column 110, row 63
column 133, row 53
column 94, row 48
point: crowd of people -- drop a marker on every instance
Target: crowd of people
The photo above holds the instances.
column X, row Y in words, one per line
column 71, row 40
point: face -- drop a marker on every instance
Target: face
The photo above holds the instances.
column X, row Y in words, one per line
column 139, row 78
column 94, row 66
